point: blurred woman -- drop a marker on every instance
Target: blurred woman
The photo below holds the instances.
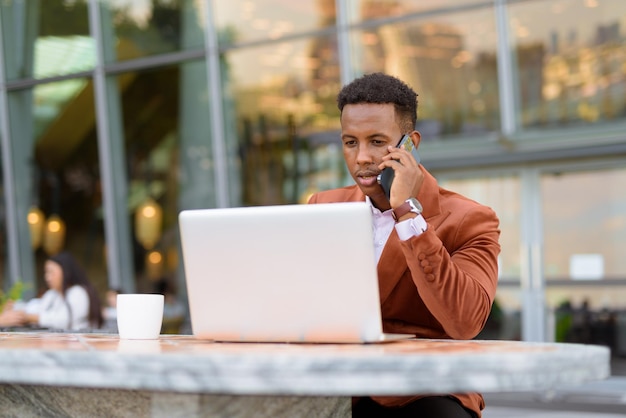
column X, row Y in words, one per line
column 71, row 301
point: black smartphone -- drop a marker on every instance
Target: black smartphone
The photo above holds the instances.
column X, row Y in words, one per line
column 385, row 178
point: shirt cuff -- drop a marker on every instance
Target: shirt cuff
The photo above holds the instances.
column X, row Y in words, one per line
column 411, row 227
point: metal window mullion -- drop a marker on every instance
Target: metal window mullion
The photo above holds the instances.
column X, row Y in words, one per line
column 10, row 199
column 218, row 137
column 505, row 71
column 346, row 65
column 116, row 269
column 532, row 279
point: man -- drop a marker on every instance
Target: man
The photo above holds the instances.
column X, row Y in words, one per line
column 437, row 250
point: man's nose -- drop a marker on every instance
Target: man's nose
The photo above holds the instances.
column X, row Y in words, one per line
column 364, row 155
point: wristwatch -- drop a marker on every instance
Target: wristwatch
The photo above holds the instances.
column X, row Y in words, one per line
column 409, row 205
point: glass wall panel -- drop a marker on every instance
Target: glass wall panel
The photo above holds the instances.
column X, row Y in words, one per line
column 166, row 126
column 450, row 60
column 150, row 27
column 570, row 57
column 584, row 264
column 252, row 20
column 56, row 171
column 598, row 296
column 288, row 123
column 46, row 38
column 588, row 314
column 584, row 238
column 376, row 9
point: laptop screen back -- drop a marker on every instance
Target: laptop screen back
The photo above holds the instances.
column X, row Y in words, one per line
column 282, row 273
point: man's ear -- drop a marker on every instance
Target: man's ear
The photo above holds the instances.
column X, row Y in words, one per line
column 416, row 137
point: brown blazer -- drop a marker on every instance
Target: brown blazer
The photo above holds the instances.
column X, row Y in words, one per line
column 442, row 283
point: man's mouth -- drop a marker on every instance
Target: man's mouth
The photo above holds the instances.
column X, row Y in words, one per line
column 367, row 179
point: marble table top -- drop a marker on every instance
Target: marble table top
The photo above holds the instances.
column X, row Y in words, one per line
column 182, row 363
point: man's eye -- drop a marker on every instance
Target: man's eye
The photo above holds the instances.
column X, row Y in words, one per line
column 349, row 143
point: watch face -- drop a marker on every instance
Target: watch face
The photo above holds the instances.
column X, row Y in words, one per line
column 416, row 206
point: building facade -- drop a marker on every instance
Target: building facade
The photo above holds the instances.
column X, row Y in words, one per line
column 115, row 115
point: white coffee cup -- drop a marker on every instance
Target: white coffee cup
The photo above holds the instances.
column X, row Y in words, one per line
column 139, row 316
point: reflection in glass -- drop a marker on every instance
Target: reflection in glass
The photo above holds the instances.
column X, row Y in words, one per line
column 570, row 57
column 449, row 60
column 146, row 28
column 376, row 9
column 65, row 176
column 46, row 38
column 597, row 297
column 150, row 113
column 251, row 20
column 166, row 126
column 52, row 99
column 288, row 126
column 584, row 241
column 599, row 219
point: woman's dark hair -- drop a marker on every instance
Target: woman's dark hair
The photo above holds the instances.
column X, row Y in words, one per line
column 381, row 88
column 73, row 274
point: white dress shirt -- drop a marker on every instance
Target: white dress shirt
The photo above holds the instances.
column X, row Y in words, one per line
column 383, row 224
column 69, row 313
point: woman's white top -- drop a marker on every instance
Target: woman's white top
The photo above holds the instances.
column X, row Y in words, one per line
column 69, row 313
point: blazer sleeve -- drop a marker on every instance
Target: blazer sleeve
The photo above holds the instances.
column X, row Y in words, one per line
column 457, row 279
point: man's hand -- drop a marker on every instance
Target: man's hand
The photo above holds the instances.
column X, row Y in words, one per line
column 408, row 178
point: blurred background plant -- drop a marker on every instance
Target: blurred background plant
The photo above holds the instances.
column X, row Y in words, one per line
column 14, row 293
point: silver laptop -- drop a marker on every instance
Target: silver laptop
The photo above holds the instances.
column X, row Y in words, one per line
column 288, row 273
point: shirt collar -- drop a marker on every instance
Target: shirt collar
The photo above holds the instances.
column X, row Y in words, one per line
column 375, row 210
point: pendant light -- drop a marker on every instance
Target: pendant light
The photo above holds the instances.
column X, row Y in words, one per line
column 148, row 222
column 54, row 235
column 36, row 221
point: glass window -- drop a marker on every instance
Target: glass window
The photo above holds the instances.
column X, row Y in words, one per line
column 167, row 136
column 150, row 27
column 584, row 235
column 57, row 177
column 46, row 38
column 584, row 265
column 288, row 123
column 376, row 9
column 570, row 57
column 251, row 20
column 597, row 297
column 450, row 60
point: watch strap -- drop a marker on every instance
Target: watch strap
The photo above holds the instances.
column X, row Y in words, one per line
column 400, row 211
column 409, row 205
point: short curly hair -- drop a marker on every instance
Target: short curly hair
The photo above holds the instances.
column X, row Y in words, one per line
column 382, row 88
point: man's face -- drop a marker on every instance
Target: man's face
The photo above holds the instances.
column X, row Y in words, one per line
column 367, row 130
